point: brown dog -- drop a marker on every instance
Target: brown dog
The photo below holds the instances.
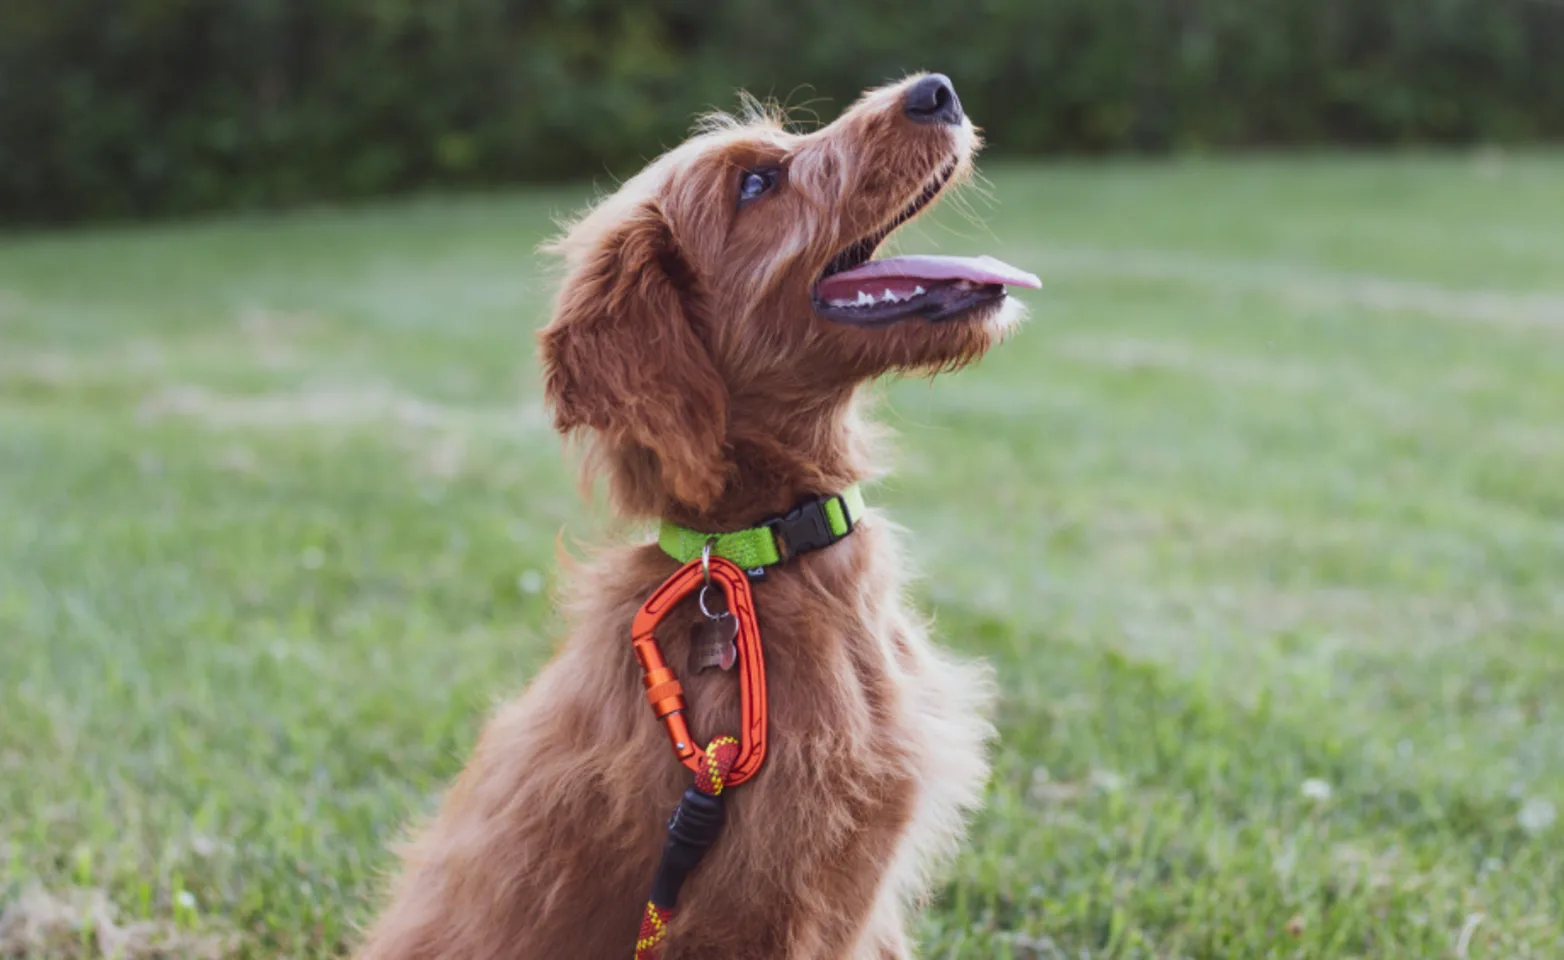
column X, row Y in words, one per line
column 719, row 316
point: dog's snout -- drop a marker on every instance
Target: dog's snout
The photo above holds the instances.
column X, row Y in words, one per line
column 933, row 100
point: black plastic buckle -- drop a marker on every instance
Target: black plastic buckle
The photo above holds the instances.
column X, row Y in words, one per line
column 806, row 527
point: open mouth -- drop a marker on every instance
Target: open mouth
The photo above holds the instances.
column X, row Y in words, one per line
column 857, row 290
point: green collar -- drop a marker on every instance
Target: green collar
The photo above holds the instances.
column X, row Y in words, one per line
column 817, row 522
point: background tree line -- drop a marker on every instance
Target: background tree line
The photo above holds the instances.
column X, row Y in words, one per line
column 115, row 108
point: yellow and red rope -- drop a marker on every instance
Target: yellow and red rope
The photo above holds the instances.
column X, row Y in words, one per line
column 709, row 779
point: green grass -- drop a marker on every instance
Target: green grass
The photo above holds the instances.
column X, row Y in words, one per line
column 1266, row 501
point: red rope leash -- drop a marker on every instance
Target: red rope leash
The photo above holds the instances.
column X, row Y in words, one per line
column 709, row 780
column 726, row 761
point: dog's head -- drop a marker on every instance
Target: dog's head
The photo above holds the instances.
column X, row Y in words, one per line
column 730, row 285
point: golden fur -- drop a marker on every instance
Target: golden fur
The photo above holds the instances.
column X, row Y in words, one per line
column 685, row 350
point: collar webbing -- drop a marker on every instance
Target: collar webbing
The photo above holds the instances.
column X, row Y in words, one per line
column 817, row 522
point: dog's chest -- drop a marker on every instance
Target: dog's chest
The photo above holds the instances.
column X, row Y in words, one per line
column 837, row 692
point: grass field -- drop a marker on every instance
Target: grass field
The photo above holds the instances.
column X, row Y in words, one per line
column 1261, row 519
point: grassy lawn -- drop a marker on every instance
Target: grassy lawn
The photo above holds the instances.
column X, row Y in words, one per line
column 1261, row 519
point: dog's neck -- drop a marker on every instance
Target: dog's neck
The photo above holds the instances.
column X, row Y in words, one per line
column 778, row 454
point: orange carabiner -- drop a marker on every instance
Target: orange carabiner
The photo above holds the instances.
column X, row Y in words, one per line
column 663, row 689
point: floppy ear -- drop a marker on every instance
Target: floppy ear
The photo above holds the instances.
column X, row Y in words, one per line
column 624, row 356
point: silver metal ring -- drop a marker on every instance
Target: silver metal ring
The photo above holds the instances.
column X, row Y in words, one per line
column 706, row 559
column 701, row 599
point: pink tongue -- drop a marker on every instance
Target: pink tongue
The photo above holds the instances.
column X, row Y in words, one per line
column 977, row 270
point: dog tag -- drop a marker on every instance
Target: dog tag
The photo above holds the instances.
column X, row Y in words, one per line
column 711, row 643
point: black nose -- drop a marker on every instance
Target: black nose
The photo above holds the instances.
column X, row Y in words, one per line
column 933, row 100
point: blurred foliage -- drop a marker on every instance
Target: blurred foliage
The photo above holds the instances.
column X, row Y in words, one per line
column 142, row 107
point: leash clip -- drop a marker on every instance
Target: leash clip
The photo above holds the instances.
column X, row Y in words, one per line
column 664, row 691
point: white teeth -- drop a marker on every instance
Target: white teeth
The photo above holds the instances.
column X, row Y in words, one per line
column 867, row 299
column 963, row 285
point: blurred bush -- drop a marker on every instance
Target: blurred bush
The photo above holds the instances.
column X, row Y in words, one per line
column 142, row 107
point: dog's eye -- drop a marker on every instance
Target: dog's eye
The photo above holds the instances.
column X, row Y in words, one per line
column 754, row 183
